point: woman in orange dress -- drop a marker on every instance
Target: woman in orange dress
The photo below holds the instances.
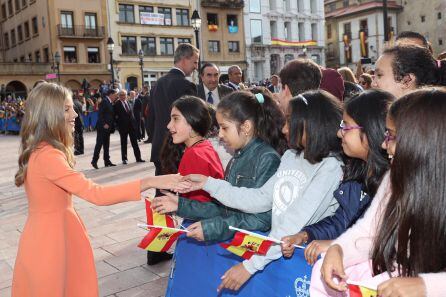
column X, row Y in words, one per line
column 55, row 258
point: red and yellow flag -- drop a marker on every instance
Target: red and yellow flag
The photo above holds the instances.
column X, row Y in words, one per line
column 160, row 239
column 361, row 291
column 154, row 218
column 246, row 246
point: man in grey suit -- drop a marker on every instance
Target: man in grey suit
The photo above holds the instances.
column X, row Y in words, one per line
column 209, row 89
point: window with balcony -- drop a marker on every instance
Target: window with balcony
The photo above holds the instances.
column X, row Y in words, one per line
column 287, row 29
column 233, row 46
column 46, row 55
column 184, row 40
column 10, row 8
column 232, row 22
column 20, row 33
column 4, row 16
column 214, row 46
column 167, row 15
column 212, row 19
column 66, row 23
column 273, row 29
column 144, row 14
column 301, row 28
column 22, row 59
column 17, row 5
column 314, row 35
column 346, row 3
column 166, row 46
column 300, row 5
column 348, row 30
column 128, row 45
column 37, row 56
column 93, row 55
column 328, row 31
column 256, row 31
column 254, row 6
column 6, row 39
column 69, row 54
column 126, row 13
column 35, row 26
column 148, row 46
column 182, row 17
column 13, row 39
column 90, row 21
column 26, row 28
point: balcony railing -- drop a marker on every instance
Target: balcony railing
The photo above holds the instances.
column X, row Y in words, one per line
column 223, row 3
column 80, row 32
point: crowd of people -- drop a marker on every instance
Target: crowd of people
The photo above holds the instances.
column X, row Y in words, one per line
column 352, row 166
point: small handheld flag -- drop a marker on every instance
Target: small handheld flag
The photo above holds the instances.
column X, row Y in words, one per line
column 154, row 218
column 360, row 290
column 159, row 238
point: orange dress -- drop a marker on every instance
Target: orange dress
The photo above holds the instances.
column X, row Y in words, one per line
column 55, row 258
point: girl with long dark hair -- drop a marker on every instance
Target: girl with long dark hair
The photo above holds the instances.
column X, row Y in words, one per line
column 403, row 232
column 362, row 133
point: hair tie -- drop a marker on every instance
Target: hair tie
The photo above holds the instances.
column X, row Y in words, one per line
column 260, row 98
column 303, row 99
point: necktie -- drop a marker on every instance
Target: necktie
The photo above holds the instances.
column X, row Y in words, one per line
column 210, row 98
column 126, row 107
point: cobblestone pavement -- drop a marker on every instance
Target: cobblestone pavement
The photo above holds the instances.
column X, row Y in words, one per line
column 120, row 264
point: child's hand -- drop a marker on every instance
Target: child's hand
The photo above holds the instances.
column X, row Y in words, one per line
column 234, row 278
column 196, row 231
column 333, row 267
column 165, row 204
column 315, row 248
column 287, row 246
column 197, row 182
column 171, row 182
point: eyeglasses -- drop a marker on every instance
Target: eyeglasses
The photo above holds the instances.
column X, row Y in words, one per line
column 344, row 127
column 388, row 137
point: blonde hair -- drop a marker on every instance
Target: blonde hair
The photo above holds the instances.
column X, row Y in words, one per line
column 347, row 74
column 44, row 121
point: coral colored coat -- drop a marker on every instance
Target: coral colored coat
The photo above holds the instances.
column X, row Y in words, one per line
column 55, row 258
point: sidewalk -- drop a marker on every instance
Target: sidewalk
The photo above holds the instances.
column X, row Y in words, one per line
column 121, row 265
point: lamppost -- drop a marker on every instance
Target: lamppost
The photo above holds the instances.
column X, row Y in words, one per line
column 141, row 64
column 110, row 47
column 196, row 24
column 57, row 60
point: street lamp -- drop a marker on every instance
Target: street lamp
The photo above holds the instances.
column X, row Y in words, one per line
column 141, row 64
column 110, row 47
column 196, row 24
column 57, row 60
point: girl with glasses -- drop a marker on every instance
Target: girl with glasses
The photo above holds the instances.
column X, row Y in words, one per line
column 400, row 243
column 361, row 132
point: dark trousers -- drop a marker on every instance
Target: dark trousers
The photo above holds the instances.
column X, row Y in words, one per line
column 142, row 129
column 133, row 140
column 78, row 141
column 102, row 140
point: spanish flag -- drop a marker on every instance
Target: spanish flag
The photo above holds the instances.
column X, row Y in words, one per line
column 160, row 238
column 246, row 245
column 154, row 218
column 357, row 290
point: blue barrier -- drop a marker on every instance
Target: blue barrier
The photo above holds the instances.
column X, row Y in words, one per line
column 10, row 125
column 198, row 266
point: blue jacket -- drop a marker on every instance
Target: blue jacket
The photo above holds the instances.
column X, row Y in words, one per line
column 353, row 202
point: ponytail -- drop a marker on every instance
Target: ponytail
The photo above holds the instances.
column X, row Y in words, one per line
column 262, row 110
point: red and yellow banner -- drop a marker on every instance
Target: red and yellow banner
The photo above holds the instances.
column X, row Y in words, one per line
column 154, row 218
column 361, row 291
column 362, row 42
column 159, row 239
column 246, row 246
column 276, row 41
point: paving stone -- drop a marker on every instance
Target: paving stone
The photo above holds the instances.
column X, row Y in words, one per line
column 155, row 288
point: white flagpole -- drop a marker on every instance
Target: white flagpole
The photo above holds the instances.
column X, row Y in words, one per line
column 263, row 237
column 145, row 226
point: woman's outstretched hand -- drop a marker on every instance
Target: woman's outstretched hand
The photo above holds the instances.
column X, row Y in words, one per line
column 195, row 182
column 173, row 182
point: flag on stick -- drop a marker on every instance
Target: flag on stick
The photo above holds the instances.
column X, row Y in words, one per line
column 154, row 218
column 360, row 290
column 159, row 238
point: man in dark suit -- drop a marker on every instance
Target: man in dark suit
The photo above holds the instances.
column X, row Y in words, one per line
column 127, row 127
column 274, row 86
column 78, row 128
column 168, row 89
column 104, row 127
column 235, row 77
column 138, row 114
column 209, row 89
